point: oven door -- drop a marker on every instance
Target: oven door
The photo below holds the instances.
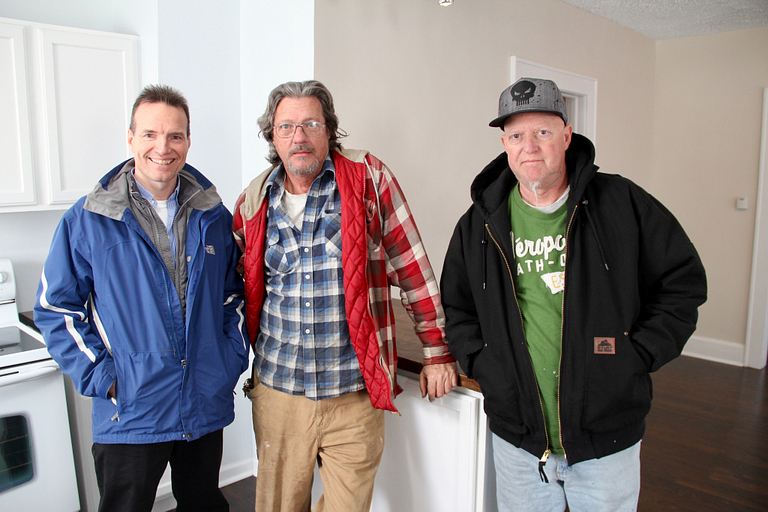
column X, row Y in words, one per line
column 37, row 471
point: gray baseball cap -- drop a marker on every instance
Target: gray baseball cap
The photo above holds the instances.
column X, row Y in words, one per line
column 530, row 95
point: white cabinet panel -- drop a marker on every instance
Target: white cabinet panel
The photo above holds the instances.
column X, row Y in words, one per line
column 434, row 459
column 434, row 454
column 65, row 102
column 90, row 84
column 16, row 172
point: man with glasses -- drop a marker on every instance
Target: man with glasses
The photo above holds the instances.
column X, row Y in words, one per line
column 325, row 231
column 563, row 289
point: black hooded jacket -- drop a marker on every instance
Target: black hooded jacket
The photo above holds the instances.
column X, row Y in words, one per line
column 631, row 276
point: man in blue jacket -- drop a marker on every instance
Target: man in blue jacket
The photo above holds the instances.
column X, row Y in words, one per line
column 140, row 303
column 564, row 288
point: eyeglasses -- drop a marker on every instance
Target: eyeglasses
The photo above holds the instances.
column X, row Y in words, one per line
column 516, row 138
column 311, row 129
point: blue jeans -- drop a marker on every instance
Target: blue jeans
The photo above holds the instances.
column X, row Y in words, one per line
column 608, row 484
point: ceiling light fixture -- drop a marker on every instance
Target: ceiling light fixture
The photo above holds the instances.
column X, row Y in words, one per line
column 445, row 2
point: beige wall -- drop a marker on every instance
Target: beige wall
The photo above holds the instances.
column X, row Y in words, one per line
column 709, row 95
column 417, row 83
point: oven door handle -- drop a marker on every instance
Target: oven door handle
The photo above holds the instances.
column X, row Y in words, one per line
column 7, row 380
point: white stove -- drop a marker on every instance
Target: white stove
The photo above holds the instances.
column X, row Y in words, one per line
column 19, row 344
column 37, row 471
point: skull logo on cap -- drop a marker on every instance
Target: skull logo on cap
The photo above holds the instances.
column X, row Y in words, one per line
column 523, row 92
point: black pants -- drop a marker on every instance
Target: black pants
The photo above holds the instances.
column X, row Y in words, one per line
column 128, row 474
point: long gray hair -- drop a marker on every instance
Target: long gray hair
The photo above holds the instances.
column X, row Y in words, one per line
column 307, row 89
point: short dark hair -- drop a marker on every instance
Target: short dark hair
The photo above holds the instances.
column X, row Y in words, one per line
column 307, row 89
column 160, row 94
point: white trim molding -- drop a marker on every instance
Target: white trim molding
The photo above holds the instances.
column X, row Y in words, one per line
column 756, row 343
column 720, row 351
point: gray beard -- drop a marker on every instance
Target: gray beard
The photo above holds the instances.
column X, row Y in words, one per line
column 309, row 171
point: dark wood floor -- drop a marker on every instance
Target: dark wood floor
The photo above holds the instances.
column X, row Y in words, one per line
column 706, row 446
column 241, row 495
column 705, row 449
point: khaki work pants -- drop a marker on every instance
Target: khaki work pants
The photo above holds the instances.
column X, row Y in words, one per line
column 343, row 435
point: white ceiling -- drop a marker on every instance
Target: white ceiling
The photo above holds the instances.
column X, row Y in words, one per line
column 667, row 19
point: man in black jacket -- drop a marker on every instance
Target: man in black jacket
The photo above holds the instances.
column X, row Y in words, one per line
column 563, row 289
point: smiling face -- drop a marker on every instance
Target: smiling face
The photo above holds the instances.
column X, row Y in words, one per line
column 159, row 143
column 302, row 156
column 535, row 143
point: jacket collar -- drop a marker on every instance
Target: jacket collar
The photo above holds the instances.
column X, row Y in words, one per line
column 111, row 196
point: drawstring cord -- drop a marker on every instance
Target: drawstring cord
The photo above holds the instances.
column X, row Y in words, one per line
column 585, row 203
column 484, row 243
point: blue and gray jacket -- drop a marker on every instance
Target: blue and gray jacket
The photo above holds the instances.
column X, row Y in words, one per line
column 109, row 311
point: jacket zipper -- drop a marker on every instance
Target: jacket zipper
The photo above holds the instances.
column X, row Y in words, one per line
column 562, row 334
column 174, row 341
column 116, row 416
column 547, row 452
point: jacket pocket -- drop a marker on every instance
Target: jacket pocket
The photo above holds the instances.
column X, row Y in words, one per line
column 148, row 391
column 617, row 386
column 495, row 373
column 215, row 374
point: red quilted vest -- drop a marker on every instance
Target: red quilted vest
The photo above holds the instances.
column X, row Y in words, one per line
column 351, row 180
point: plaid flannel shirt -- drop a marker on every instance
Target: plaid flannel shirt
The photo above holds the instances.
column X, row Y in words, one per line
column 303, row 346
column 380, row 229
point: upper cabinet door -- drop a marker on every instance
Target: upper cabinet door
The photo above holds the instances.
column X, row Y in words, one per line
column 65, row 105
column 90, row 81
column 17, row 177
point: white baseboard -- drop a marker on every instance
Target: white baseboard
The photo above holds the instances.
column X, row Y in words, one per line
column 719, row 351
column 236, row 471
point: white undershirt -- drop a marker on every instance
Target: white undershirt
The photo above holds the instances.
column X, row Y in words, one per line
column 162, row 211
column 294, row 204
column 554, row 206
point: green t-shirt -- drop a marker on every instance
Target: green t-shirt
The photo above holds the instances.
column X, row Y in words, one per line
column 538, row 239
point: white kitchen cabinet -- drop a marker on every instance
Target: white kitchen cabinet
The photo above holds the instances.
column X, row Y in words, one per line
column 16, row 172
column 65, row 104
column 436, row 455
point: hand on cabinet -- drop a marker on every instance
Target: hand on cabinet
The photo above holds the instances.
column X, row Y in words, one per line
column 437, row 380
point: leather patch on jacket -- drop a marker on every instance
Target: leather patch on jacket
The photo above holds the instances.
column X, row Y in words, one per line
column 605, row 345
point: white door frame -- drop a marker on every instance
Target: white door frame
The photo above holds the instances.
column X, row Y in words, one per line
column 756, row 344
column 583, row 89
